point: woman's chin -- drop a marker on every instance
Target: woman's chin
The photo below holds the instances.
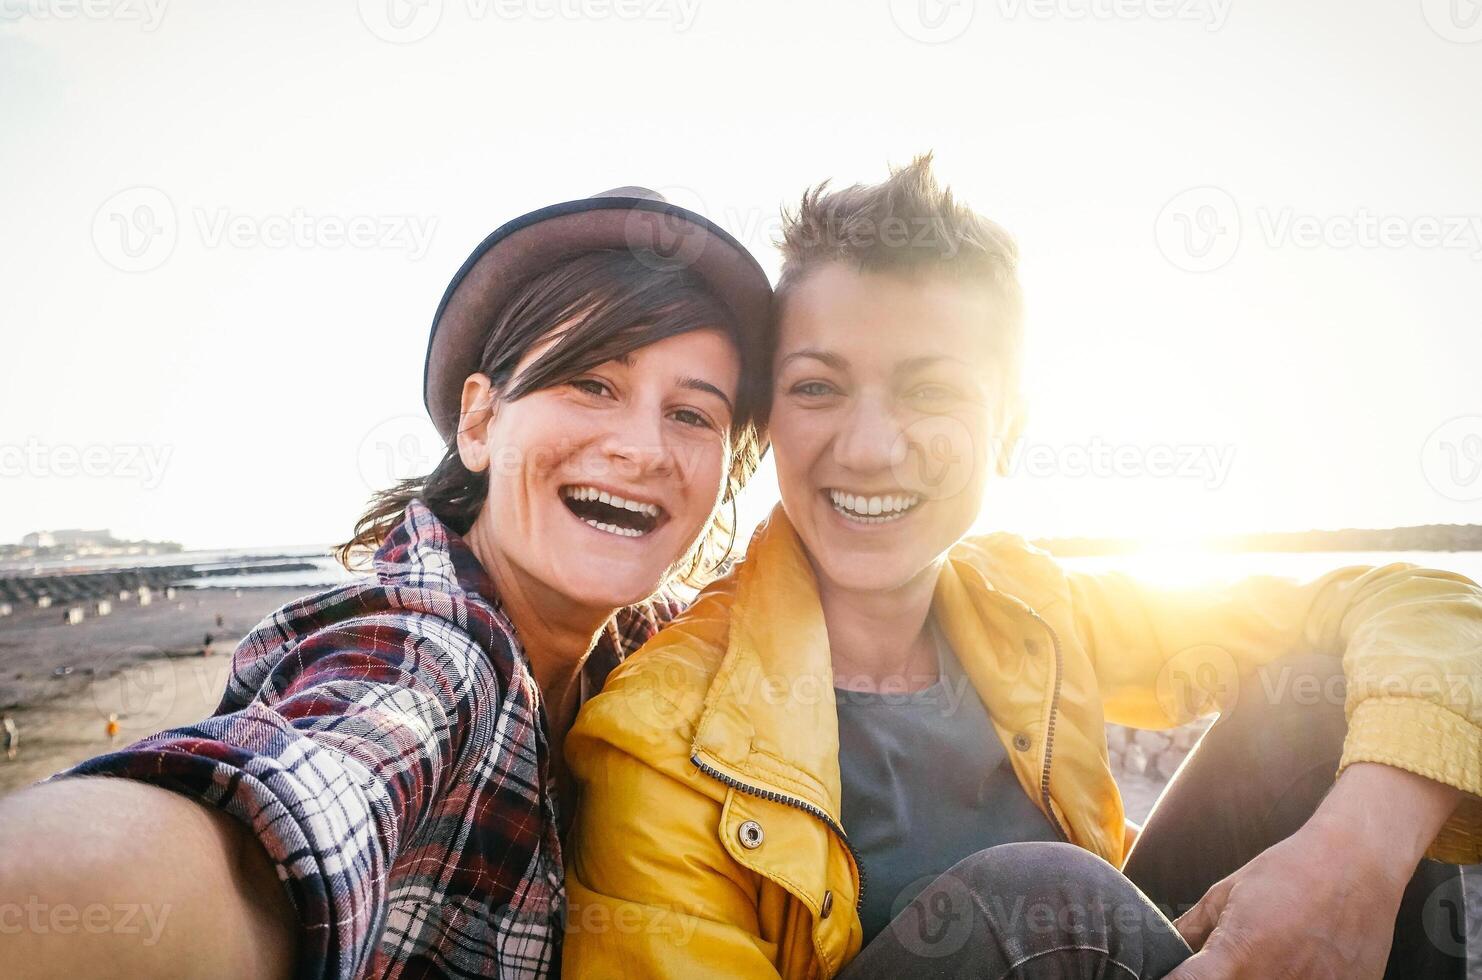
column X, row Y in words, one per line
column 622, row 587
column 851, row 577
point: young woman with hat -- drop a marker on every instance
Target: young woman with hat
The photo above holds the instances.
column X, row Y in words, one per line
column 382, row 780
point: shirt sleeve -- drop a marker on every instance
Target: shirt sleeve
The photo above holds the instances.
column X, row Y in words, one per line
column 351, row 740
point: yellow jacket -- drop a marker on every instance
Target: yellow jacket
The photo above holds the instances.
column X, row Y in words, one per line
column 708, row 839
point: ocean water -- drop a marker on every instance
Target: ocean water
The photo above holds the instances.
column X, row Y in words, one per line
column 1161, row 567
column 1171, row 568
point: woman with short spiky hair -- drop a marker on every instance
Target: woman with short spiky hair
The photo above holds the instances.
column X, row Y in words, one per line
column 878, row 747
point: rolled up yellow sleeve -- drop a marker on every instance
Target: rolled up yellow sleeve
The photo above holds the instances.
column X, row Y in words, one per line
column 1410, row 639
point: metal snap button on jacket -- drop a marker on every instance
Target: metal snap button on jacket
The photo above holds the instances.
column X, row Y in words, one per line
column 750, row 834
column 1021, row 742
column 828, row 905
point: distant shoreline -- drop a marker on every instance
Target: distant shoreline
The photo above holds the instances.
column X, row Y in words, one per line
column 1422, row 537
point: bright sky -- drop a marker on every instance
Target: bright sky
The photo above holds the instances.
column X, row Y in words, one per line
column 1252, row 232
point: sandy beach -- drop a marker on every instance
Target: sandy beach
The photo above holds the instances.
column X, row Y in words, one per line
column 144, row 664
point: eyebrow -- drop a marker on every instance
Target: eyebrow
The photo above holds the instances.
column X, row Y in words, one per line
column 926, row 361
column 695, row 384
column 833, row 360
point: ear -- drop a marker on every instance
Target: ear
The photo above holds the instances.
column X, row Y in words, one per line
column 1015, row 415
column 477, row 410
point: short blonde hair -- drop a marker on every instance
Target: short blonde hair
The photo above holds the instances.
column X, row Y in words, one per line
column 907, row 225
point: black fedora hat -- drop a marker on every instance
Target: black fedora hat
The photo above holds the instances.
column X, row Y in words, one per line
column 626, row 217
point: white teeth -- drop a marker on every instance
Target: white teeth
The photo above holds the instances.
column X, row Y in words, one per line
column 873, row 510
column 625, row 532
column 612, row 500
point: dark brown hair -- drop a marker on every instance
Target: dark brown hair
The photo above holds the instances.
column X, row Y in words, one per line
column 907, row 225
column 612, row 302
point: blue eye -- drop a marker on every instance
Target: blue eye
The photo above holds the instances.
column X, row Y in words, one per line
column 812, row 389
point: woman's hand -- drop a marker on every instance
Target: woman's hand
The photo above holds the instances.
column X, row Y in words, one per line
column 1322, row 903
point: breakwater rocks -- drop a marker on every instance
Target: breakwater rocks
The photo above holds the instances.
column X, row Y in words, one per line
column 141, row 584
column 1155, row 755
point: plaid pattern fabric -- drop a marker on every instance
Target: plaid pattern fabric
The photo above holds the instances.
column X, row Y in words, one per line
column 386, row 743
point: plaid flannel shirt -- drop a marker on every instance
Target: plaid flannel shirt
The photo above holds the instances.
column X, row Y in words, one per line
column 385, row 742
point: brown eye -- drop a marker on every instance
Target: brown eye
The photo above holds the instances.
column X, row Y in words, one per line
column 688, row 417
column 591, row 386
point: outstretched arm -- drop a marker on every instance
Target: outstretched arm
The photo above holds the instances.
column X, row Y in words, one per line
column 111, row 877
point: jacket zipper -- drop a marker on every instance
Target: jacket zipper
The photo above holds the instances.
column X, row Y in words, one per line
column 809, row 808
column 1044, row 775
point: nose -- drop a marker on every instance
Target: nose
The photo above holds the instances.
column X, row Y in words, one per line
column 872, row 438
column 634, row 444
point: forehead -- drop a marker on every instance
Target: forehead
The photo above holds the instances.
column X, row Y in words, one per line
column 879, row 318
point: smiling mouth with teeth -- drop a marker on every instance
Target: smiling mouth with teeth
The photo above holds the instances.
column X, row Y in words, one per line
column 608, row 512
column 878, row 509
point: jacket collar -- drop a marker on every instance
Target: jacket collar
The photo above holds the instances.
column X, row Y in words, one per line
column 769, row 715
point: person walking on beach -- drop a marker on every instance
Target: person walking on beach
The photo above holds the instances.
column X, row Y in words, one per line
column 12, row 736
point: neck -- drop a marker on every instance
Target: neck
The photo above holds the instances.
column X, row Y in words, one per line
column 556, row 632
column 879, row 639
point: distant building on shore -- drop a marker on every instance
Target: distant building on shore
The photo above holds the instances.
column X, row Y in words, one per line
column 80, row 543
column 71, row 537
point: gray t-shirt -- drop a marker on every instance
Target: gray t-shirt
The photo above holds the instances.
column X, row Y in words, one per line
column 926, row 782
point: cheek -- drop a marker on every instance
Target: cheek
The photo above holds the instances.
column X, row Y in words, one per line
column 795, row 442
column 526, row 447
column 704, row 481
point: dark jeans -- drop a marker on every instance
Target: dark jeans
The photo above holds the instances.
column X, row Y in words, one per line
column 1056, row 911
